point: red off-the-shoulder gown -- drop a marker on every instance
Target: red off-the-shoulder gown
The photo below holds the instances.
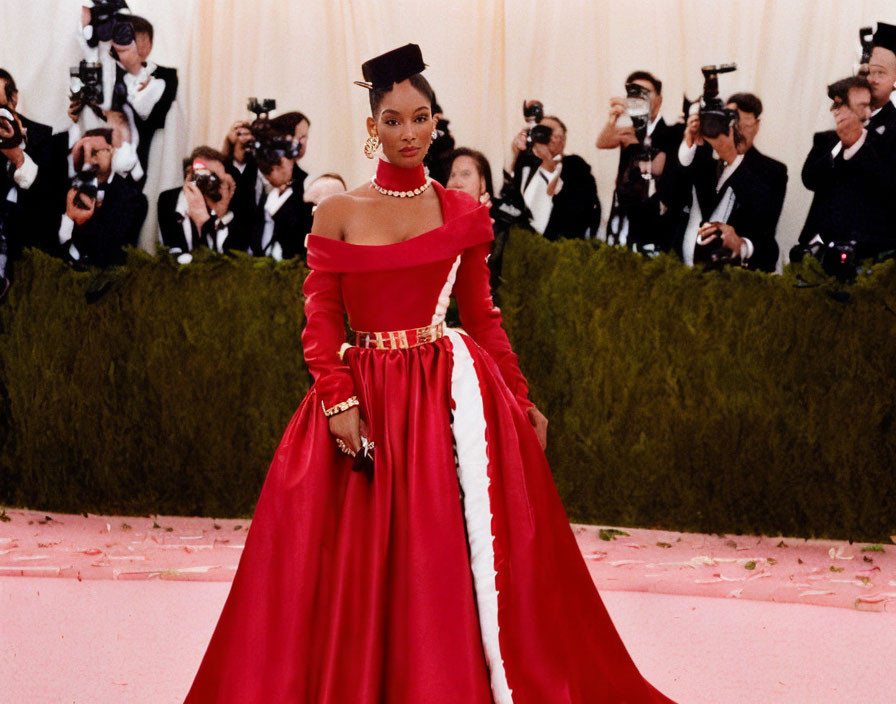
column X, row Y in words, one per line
column 448, row 575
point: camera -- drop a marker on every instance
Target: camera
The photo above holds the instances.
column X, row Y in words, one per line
column 86, row 83
column 105, row 18
column 206, row 181
column 637, row 105
column 268, row 145
column 840, row 258
column 533, row 113
column 262, row 108
column 714, row 255
column 86, row 183
column 715, row 118
column 8, row 120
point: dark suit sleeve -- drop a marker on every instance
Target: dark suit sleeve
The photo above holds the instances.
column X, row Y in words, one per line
column 778, row 181
column 169, row 227
column 576, row 206
column 818, row 170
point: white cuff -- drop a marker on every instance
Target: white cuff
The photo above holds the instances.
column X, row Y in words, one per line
column 26, row 173
column 686, row 153
column 66, row 227
column 746, row 249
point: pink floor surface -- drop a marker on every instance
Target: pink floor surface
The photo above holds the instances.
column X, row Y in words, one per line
column 135, row 600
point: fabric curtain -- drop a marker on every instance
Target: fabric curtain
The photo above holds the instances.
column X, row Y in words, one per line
column 485, row 57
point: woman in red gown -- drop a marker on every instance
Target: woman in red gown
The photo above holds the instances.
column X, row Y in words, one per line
column 445, row 571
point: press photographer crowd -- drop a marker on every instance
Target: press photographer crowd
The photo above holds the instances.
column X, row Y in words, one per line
column 699, row 188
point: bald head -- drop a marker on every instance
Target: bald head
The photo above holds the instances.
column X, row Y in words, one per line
column 881, row 76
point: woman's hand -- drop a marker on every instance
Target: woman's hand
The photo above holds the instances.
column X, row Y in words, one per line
column 540, row 423
column 349, row 427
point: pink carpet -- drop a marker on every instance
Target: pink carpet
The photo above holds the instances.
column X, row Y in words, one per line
column 136, row 599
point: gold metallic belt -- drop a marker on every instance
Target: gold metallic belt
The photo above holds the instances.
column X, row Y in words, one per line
column 400, row 339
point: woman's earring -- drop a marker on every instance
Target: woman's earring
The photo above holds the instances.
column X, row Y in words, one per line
column 371, row 145
column 435, row 135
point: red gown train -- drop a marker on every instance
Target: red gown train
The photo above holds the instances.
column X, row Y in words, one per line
column 447, row 575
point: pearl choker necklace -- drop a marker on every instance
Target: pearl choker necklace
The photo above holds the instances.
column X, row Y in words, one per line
column 400, row 194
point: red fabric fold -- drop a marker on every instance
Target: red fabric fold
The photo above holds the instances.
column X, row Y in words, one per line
column 323, row 337
column 481, row 319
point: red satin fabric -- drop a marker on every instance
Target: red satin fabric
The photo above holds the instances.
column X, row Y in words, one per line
column 356, row 588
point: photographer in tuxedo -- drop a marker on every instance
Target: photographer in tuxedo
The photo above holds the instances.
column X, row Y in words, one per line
column 556, row 192
column 103, row 212
column 25, row 156
column 281, row 218
column 646, row 143
column 241, row 164
column 721, row 188
column 199, row 213
column 852, row 173
column 881, row 81
column 749, row 109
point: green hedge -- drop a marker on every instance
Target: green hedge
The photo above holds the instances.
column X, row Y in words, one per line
column 731, row 401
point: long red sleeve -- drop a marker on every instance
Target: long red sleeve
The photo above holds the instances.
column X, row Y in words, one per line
column 323, row 337
column 481, row 319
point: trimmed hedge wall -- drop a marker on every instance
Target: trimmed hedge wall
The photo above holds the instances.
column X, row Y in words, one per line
column 732, row 401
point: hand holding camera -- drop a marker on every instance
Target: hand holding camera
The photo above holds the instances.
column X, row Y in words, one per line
column 79, row 206
column 11, row 137
column 237, row 140
column 720, row 242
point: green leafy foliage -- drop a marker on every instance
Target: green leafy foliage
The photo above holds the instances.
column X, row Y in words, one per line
column 731, row 402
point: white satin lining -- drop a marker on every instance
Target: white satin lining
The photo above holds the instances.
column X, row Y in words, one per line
column 468, row 427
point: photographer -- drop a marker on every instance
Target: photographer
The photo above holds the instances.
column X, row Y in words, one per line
column 723, row 193
column 282, row 218
column 749, row 109
column 25, row 149
column 556, row 191
column 239, row 148
column 851, row 171
column 881, row 80
column 198, row 214
column 646, row 143
column 103, row 212
column 121, row 43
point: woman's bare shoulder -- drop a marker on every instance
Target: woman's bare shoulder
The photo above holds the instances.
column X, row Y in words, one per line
column 332, row 213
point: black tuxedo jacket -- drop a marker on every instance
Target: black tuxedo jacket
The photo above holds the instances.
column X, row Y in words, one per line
column 244, row 204
column 884, row 123
column 855, row 199
column 756, row 210
column 29, row 222
column 576, row 206
column 291, row 223
column 647, row 222
column 172, row 231
column 115, row 224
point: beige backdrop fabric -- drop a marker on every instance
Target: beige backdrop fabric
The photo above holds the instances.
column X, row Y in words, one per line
column 484, row 56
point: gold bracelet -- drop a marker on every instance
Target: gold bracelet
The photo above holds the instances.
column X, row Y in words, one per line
column 340, row 407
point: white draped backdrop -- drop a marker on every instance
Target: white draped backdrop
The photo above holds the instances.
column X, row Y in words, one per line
column 485, row 57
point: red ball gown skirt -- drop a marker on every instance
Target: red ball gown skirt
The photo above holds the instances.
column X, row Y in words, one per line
column 447, row 574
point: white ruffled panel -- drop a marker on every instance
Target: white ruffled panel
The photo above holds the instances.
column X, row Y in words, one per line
column 445, row 295
column 468, row 427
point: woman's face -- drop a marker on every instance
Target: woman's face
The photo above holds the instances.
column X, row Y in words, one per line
column 404, row 125
column 465, row 176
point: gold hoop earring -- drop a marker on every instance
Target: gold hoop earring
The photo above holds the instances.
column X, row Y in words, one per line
column 371, row 145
